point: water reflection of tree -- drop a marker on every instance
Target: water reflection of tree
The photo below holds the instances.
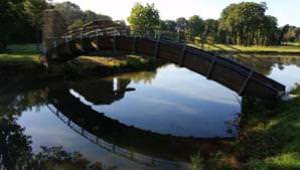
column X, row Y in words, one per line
column 111, row 89
column 57, row 158
column 144, row 77
column 15, row 150
column 15, row 145
column 265, row 63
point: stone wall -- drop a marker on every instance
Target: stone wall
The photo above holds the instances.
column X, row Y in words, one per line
column 53, row 26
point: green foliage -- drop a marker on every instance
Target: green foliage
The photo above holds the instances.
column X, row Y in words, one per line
column 290, row 33
column 74, row 16
column 211, row 30
column 19, row 16
column 144, row 19
column 77, row 23
column 197, row 162
column 246, row 24
column 195, row 26
column 167, row 25
column 272, row 135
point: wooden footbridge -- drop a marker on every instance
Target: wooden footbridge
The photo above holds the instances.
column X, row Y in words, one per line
column 96, row 37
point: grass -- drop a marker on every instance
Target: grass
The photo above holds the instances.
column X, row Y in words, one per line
column 20, row 54
column 24, row 60
column 289, row 49
column 270, row 136
column 269, row 139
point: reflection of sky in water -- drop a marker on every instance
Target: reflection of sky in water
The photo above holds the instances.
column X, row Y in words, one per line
column 47, row 130
column 288, row 76
column 178, row 102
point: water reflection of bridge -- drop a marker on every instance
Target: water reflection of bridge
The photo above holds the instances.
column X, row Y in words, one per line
column 134, row 156
column 126, row 141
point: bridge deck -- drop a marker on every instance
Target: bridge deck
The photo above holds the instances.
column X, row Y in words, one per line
column 241, row 79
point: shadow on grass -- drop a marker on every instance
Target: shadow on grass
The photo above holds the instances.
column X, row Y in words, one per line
column 270, row 137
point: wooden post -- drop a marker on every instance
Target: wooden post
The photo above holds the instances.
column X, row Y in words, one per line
column 157, row 48
column 133, row 44
column 211, row 68
column 114, row 44
column 245, row 84
column 182, row 55
column 67, row 45
column 81, row 41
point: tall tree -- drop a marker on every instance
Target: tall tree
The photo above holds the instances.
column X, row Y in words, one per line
column 168, row 25
column 195, row 26
column 10, row 14
column 243, row 22
column 75, row 17
column 211, row 29
column 144, row 19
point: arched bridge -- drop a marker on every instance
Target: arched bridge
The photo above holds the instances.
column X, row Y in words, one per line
column 239, row 78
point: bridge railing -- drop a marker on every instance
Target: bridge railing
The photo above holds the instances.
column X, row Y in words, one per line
column 133, row 156
column 179, row 53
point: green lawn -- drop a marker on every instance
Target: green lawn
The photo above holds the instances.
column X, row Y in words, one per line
column 24, row 60
column 270, row 137
column 20, row 54
column 290, row 49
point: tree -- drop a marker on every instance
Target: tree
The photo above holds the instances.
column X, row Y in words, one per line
column 19, row 16
column 244, row 22
column 70, row 11
column 10, row 13
column 168, row 25
column 74, row 16
column 211, row 29
column 297, row 34
column 195, row 26
column 143, row 19
column 182, row 23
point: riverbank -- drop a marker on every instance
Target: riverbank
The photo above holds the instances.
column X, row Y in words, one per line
column 25, row 61
column 237, row 49
column 269, row 138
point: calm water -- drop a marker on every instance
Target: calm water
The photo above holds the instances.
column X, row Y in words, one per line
column 142, row 120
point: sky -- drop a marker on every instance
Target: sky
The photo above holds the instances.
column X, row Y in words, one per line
column 286, row 11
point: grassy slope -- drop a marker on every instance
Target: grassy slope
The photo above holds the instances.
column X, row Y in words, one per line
column 271, row 136
column 291, row 49
column 25, row 59
column 20, row 54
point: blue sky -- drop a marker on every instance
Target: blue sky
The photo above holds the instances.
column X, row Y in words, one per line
column 286, row 11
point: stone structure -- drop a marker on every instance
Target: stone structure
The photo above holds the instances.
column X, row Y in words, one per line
column 53, row 27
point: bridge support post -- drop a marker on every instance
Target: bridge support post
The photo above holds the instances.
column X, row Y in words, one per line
column 246, row 82
column 157, row 45
column 114, row 44
column 182, row 55
column 133, row 45
column 97, row 40
column 81, row 42
column 211, row 68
